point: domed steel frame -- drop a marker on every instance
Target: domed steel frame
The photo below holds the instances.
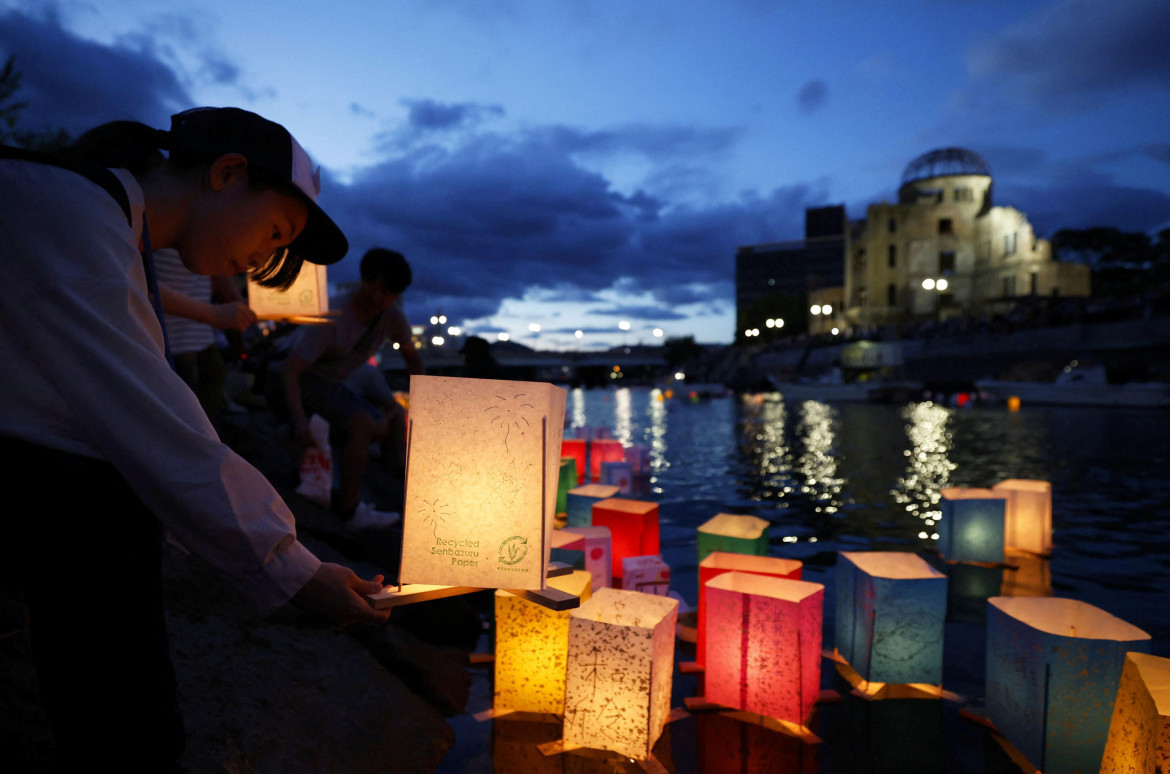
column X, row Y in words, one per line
column 943, row 162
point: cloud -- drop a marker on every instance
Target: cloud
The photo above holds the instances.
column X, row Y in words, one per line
column 812, row 96
column 1071, row 53
column 429, row 115
column 76, row 84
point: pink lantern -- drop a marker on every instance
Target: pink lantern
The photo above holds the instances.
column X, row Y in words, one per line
column 719, row 562
column 764, row 645
column 604, row 450
column 633, row 524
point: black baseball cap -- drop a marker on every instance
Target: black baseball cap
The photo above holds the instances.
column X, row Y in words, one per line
column 267, row 146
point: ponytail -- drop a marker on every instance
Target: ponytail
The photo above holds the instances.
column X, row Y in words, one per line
column 120, row 145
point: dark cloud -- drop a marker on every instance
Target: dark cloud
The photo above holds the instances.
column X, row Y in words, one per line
column 1073, row 52
column 1072, row 203
column 634, row 312
column 427, row 114
column 812, row 96
column 75, row 84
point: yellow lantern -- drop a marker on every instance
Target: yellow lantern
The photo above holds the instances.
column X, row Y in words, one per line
column 483, row 458
column 1139, row 733
column 306, row 301
column 532, row 643
column 620, row 671
column 1027, row 519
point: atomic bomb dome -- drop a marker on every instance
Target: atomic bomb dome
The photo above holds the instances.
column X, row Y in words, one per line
column 945, row 162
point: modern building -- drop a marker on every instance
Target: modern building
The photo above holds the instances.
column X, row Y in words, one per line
column 944, row 249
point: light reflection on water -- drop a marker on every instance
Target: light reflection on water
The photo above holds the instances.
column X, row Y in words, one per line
column 867, row 477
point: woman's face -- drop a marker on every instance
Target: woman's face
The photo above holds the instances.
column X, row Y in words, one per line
column 233, row 227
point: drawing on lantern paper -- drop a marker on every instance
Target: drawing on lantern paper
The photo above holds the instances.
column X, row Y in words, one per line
column 433, row 512
column 510, row 413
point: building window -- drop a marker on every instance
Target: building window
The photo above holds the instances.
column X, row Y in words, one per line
column 945, row 226
column 891, row 295
column 893, row 256
column 964, row 195
column 946, row 262
column 1009, row 244
column 1035, row 283
column 893, row 226
column 1009, row 286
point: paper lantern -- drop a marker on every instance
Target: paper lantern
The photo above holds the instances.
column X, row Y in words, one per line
column 306, row 301
column 568, row 548
column 566, row 481
column 532, row 644
column 734, row 535
column 598, row 553
column 1139, row 732
column 971, row 526
column 639, row 459
column 602, row 433
column 619, row 474
column 633, row 524
column 482, row 463
column 604, row 450
column 576, row 448
column 718, row 563
column 1053, row 669
column 764, row 644
column 1027, row 523
column 648, row 574
column 891, row 610
column 620, row 670
column 581, row 500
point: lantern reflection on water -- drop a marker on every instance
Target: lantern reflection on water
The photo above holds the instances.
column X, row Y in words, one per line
column 764, row 645
column 891, row 608
column 483, row 457
column 1139, row 732
column 1053, row 669
column 620, row 668
column 532, row 644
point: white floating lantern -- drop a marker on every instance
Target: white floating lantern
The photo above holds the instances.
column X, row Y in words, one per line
column 891, row 611
column 1027, row 515
column 532, row 645
column 620, row 671
column 764, row 645
column 481, row 486
column 306, row 301
column 1139, row 732
column 1053, row 669
column 648, row 574
column 971, row 525
column 598, row 553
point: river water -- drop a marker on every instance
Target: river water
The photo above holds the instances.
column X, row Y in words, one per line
column 866, row 477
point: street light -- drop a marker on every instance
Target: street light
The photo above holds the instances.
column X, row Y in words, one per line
column 657, row 333
column 534, row 327
column 502, row 336
column 624, row 325
column 815, row 309
column 578, row 334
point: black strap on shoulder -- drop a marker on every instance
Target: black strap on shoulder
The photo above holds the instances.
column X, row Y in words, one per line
column 95, row 173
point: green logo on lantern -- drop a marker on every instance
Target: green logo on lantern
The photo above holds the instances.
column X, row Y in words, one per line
column 513, row 550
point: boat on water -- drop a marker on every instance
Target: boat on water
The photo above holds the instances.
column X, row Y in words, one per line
column 1079, row 384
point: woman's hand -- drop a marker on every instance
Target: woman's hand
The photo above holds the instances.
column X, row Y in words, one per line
column 336, row 592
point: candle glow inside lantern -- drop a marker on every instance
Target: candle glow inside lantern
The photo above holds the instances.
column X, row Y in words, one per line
column 619, row 474
column 577, row 449
column 604, row 450
column 581, row 501
column 764, row 645
column 482, row 463
column 891, row 611
column 971, row 525
column 598, row 550
column 1027, row 515
column 633, row 525
column 566, row 481
column 734, row 535
column 719, row 563
column 532, row 645
column 1053, row 669
column 620, row 671
column 1139, row 732
column 648, row 574
column 308, row 297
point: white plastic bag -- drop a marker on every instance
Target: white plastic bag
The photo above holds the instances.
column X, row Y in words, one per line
column 317, row 465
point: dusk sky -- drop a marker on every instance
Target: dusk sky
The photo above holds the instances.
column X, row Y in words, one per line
column 577, row 163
